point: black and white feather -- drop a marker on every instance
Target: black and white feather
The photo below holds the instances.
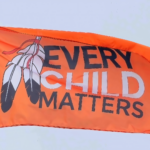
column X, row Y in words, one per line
column 11, row 80
column 32, row 78
column 31, row 75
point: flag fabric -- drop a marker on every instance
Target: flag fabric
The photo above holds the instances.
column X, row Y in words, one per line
column 73, row 80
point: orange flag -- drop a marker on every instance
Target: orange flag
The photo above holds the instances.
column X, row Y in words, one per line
column 73, row 80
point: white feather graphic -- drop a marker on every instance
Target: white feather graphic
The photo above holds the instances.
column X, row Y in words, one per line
column 10, row 85
column 36, row 61
column 31, row 60
column 30, row 50
column 32, row 74
column 18, row 60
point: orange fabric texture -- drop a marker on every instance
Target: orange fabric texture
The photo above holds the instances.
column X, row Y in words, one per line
column 73, row 80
